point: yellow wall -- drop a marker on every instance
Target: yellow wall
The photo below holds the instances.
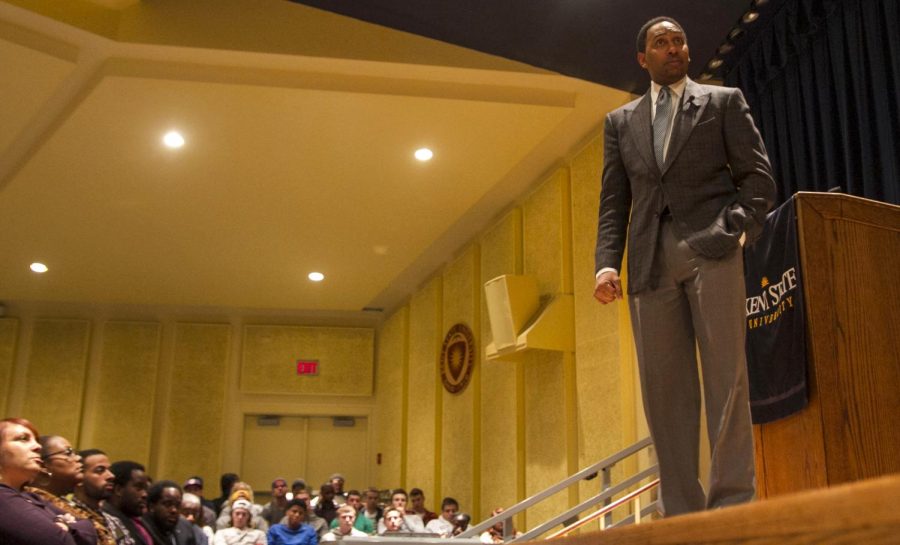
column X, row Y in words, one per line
column 519, row 426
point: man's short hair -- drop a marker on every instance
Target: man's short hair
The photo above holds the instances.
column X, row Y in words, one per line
column 154, row 494
column 448, row 501
column 353, row 492
column 396, row 491
column 642, row 33
column 90, row 452
column 122, row 471
column 416, row 492
column 346, row 509
column 226, row 481
column 296, row 501
column 279, row 480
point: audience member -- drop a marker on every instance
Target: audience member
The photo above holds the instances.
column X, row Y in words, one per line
column 371, row 510
column 163, row 517
column 393, row 523
column 273, row 511
column 127, row 503
column 417, row 506
column 325, row 507
column 294, row 531
column 240, row 532
column 411, row 521
column 346, row 519
column 361, row 523
column 317, row 523
column 337, row 482
column 242, row 490
column 95, row 487
column 192, row 511
column 494, row 534
column 226, row 481
column 443, row 525
column 296, row 487
column 194, row 486
column 28, row 519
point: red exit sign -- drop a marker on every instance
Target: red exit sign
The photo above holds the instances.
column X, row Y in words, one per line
column 308, row 367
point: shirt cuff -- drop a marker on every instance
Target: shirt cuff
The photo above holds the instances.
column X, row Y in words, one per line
column 604, row 270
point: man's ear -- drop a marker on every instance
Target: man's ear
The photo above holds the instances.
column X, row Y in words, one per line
column 642, row 59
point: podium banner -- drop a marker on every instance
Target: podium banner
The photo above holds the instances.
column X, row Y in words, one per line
column 776, row 320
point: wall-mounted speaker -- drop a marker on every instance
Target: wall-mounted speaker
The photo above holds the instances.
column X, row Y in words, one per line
column 512, row 300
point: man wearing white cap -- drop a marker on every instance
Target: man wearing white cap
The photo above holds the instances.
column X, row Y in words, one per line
column 240, row 532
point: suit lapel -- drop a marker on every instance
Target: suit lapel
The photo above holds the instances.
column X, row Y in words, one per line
column 693, row 103
column 639, row 126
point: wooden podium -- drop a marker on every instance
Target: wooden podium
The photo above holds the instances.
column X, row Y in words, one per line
column 850, row 259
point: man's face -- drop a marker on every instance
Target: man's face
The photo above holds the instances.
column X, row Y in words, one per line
column 418, row 503
column 338, row 485
column 449, row 511
column 191, row 513
column 295, row 516
column 666, row 56
column 399, row 502
column 134, row 494
column 303, row 495
column 98, row 479
column 347, row 520
column 240, row 518
column 194, row 489
column 354, row 501
column 279, row 489
column 371, row 500
column 326, row 493
column 166, row 510
column 393, row 520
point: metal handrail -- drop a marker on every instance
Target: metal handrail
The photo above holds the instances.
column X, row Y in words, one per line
column 606, row 509
column 506, row 516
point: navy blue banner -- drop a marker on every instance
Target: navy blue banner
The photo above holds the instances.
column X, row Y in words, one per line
column 776, row 319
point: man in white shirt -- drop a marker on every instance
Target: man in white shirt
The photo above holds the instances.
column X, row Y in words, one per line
column 443, row 525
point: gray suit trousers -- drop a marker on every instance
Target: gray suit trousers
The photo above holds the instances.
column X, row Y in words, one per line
column 698, row 300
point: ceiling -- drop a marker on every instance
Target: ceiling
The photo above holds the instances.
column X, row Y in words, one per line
column 300, row 127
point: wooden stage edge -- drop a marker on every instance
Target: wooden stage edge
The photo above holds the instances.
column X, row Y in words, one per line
column 862, row 512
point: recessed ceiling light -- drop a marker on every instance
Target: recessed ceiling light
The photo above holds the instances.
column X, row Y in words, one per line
column 39, row 268
column 173, row 139
column 750, row 16
column 424, row 154
column 316, row 276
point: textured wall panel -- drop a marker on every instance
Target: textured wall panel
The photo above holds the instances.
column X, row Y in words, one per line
column 194, row 413
column 545, row 422
column 55, row 378
column 458, row 419
column 423, row 378
column 543, row 234
column 498, row 380
column 388, row 412
column 598, row 333
column 122, row 414
column 345, row 358
column 9, row 329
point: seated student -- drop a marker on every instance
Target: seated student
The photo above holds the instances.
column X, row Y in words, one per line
column 494, row 534
column 443, row 525
column 192, row 511
column 371, row 511
column 411, row 521
column 318, row 523
column 242, row 490
column 346, row 519
column 294, row 532
column 393, row 523
column 240, row 532
column 363, row 524
column 417, row 506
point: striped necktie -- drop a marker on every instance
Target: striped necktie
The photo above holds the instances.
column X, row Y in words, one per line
column 661, row 124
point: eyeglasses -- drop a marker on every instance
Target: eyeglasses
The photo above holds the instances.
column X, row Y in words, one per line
column 68, row 452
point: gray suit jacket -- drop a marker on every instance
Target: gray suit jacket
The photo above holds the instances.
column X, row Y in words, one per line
column 716, row 182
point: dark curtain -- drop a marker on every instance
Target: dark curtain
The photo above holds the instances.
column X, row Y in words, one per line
column 823, row 82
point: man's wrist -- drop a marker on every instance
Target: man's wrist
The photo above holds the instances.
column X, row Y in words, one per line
column 605, row 270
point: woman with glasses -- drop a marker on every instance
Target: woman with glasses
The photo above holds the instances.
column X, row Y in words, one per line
column 29, row 519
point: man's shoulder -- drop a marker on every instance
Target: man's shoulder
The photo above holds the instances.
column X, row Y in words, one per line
column 629, row 107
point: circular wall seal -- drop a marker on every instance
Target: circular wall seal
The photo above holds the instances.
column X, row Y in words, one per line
column 457, row 358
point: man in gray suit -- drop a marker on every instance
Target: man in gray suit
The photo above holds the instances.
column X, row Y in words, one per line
column 687, row 178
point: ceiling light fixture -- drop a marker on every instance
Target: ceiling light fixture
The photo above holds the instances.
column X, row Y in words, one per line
column 316, row 276
column 750, row 16
column 424, row 154
column 39, row 268
column 173, row 139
